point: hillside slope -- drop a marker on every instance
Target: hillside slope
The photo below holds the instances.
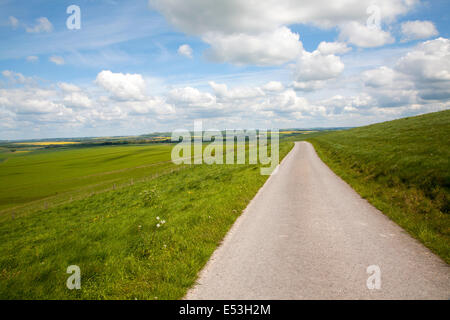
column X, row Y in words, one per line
column 402, row 168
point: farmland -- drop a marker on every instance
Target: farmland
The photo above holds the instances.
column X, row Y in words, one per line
column 112, row 234
column 48, row 176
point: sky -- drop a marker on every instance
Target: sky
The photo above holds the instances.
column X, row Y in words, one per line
column 135, row 67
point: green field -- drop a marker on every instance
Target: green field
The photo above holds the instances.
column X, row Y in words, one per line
column 402, row 168
column 44, row 177
column 112, row 235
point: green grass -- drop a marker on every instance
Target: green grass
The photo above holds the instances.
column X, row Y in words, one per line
column 45, row 177
column 113, row 238
column 402, row 168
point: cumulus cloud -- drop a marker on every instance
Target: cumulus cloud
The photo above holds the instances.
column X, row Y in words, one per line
column 268, row 48
column 122, row 86
column 241, row 93
column 420, row 76
column 32, row 58
column 13, row 22
column 416, row 82
column 42, row 25
column 58, row 60
column 353, row 103
column 289, row 104
column 308, row 85
column 185, row 50
column 191, row 97
column 241, row 32
column 313, row 66
column 428, row 66
column 429, row 61
column 380, row 77
column 66, row 105
column 16, row 77
column 236, row 16
column 30, row 101
column 273, row 86
column 333, row 48
column 414, row 30
column 363, row 36
column 77, row 100
column 151, row 105
column 68, row 87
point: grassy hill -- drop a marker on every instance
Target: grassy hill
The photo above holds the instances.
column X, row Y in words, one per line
column 402, row 168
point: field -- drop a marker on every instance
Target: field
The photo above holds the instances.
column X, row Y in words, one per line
column 44, row 177
column 112, row 235
column 402, row 168
column 46, row 143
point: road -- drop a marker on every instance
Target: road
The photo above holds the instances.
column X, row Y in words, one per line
column 308, row 235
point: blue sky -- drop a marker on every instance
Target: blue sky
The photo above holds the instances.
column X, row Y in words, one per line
column 256, row 64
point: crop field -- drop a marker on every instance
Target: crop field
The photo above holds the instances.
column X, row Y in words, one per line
column 46, row 176
column 402, row 168
column 113, row 235
column 46, row 143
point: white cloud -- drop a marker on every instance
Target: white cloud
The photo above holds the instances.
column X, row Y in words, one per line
column 68, row 87
column 16, row 77
column 42, row 25
column 155, row 105
column 428, row 67
column 57, row 60
column 74, row 97
column 13, row 22
column 429, row 61
column 289, row 104
column 239, row 93
column 362, row 36
column 29, row 101
column 237, row 16
column 420, row 76
column 352, row 103
column 268, row 48
column 308, row 85
column 122, row 86
column 417, row 81
column 241, row 32
column 380, row 77
column 414, row 30
column 333, row 48
column 77, row 100
column 185, row 50
column 191, row 97
column 316, row 66
column 32, row 58
column 273, row 86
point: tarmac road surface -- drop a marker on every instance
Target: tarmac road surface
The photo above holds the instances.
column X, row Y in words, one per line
column 308, row 235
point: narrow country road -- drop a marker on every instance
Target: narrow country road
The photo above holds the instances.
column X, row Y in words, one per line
column 308, row 235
